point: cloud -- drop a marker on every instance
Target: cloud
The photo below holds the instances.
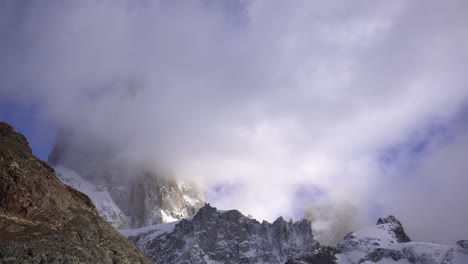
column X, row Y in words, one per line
column 261, row 95
column 428, row 190
column 332, row 221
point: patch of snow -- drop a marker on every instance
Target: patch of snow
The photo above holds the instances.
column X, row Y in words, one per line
column 167, row 218
column 189, row 200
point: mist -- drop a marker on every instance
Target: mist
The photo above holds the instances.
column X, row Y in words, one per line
column 332, row 221
column 273, row 107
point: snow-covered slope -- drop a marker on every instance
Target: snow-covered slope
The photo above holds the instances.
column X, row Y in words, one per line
column 100, row 197
column 387, row 243
column 213, row 236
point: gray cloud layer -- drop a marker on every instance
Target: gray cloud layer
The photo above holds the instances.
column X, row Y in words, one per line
column 261, row 95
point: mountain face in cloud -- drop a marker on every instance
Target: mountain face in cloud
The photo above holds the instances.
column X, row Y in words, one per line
column 127, row 193
column 265, row 96
column 331, row 222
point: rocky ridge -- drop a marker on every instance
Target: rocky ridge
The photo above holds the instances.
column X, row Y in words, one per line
column 213, row 236
column 44, row 221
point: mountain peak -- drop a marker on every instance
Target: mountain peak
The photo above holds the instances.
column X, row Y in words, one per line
column 387, row 220
column 387, row 242
column 396, row 227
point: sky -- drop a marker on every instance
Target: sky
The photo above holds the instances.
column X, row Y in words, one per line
column 274, row 107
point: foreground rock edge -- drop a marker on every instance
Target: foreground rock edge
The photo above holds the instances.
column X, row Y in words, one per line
column 44, row 221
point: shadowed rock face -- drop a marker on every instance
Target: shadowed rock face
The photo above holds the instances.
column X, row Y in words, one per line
column 397, row 228
column 44, row 221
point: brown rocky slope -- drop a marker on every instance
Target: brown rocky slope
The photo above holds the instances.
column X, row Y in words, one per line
column 44, row 221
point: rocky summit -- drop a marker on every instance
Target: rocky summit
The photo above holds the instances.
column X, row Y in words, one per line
column 44, row 221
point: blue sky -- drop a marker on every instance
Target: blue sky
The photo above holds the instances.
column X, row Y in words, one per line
column 25, row 118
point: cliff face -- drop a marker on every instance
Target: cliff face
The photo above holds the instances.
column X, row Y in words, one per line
column 44, row 221
column 142, row 195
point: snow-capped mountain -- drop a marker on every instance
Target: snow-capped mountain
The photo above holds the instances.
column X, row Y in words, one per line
column 213, row 236
column 387, row 243
column 127, row 194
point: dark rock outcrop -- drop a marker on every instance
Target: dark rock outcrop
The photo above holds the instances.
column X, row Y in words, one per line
column 44, row 221
column 397, row 228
